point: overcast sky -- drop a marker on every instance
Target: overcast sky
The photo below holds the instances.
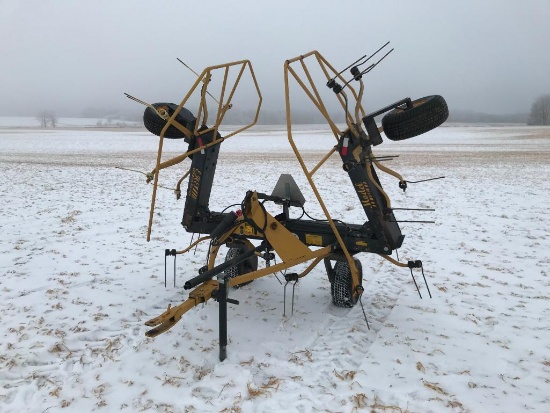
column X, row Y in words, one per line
column 487, row 55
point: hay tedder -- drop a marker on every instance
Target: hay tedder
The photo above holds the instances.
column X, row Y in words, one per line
column 251, row 233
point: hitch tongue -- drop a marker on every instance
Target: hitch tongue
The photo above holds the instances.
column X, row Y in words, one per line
column 172, row 315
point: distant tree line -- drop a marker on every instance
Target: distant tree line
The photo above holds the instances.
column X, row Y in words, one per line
column 540, row 111
column 467, row 116
column 111, row 115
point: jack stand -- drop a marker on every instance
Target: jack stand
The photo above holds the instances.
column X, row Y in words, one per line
column 221, row 298
column 289, row 277
column 418, row 264
column 168, row 252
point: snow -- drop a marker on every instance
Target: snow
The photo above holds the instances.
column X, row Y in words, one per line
column 78, row 280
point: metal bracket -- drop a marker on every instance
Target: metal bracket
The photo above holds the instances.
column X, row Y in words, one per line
column 370, row 124
column 290, row 277
column 418, row 264
column 168, row 252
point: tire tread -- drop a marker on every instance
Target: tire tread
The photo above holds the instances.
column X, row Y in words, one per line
column 404, row 124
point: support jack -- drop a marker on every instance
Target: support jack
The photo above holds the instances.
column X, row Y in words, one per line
column 221, row 297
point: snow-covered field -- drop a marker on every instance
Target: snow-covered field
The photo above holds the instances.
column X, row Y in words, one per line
column 78, row 279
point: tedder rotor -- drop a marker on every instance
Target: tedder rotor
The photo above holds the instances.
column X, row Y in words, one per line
column 251, row 233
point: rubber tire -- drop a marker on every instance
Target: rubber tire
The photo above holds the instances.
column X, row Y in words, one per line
column 249, row 265
column 154, row 123
column 341, row 284
column 426, row 114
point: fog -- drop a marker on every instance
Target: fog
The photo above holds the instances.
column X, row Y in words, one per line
column 489, row 56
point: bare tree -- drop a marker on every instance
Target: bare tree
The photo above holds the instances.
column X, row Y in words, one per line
column 53, row 119
column 540, row 111
column 42, row 117
column 47, row 118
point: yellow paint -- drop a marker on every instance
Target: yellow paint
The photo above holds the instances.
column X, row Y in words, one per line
column 195, row 182
column 313, row 239
column 287, row 246
column 248, row 230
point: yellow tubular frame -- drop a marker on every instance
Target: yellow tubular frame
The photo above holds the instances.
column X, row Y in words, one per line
column 222, row 108
column 315, row 97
